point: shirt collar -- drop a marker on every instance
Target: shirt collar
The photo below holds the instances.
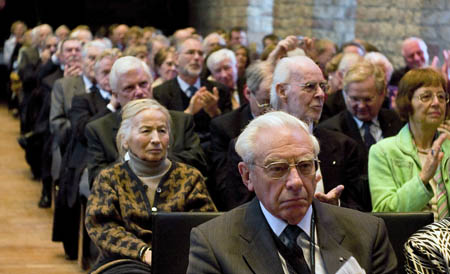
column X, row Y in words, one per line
column 87, row 83
column 360, row 123
column 106, row 95
column 184, row 86
column 277, row 225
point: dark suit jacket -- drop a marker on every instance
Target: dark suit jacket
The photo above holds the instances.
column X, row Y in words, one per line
column 334, row 104
column 223, row 129
column 170, row 95
column 101, row 134
column 343, row 122
column 341, row 162
column 241, row 241
column 85, row 108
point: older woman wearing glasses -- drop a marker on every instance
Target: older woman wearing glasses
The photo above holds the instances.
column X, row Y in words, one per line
column 410, row 171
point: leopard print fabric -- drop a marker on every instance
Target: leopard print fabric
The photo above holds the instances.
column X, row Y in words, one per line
column 118, row 214
column 428, row 250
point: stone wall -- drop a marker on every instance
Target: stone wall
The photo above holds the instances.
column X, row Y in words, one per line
column 383, row 23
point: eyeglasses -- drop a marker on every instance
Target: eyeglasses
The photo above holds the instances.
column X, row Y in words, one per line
column 264, row 106
column 278, row 170
column 366, row 100
column 429, row 96
column 311, row 87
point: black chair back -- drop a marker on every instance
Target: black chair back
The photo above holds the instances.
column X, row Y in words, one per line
column 171, row 237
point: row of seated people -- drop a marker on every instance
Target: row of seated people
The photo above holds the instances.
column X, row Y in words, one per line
column 343, row 160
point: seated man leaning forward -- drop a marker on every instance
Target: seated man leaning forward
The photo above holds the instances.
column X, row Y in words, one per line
column 262, row 236
column 118, row 214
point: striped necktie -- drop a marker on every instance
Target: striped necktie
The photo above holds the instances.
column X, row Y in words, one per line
column 442, row 202
column 289, row 238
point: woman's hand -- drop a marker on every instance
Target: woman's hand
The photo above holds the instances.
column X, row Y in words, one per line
column 445, row 128
column 433, row 159
column 147, row 258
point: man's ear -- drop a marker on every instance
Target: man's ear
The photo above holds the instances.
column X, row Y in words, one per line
column 281, row 92
column 246, row 92
column 244, row 170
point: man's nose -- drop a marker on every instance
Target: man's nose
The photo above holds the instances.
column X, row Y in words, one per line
column 293, row 180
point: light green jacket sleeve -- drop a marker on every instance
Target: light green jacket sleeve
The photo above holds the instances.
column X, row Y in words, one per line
column 394, row 181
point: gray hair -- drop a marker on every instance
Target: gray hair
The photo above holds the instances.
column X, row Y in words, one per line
column 348, row 60
column 107, row 53
column 179, row 45
column 129, row 111
column 218, row 56
column 422, row 45
column 211, row 36
column 122, row 66
column 246, row 145
column 379, row 59
column 93, row 44
column 256, row 73
column 282, row 74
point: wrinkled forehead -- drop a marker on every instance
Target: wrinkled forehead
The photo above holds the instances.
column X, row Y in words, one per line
column 190, row 44
column 306, row 72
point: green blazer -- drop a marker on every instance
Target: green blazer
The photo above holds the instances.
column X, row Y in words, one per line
column 394, row 168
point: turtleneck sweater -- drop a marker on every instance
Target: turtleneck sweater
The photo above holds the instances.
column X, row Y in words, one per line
column 149, row 175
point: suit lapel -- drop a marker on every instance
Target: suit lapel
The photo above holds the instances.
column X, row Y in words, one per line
column 330, row 237
column 259, row 249
column 353, row 130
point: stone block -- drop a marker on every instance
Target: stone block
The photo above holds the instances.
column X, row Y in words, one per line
column 444, row 34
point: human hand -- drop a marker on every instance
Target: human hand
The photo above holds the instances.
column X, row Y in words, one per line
column 114, row 102
column 73, row 68
column 45, row 56
column 147, row 258
column 283, row 47
column 445, row 65
column 195, row 104
column 433, row 159
column 332, row 197
column 210, row 101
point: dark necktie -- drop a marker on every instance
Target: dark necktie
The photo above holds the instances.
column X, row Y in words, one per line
column 295, row 259
column 191, row 91
column 368, row 138
column 94, row 88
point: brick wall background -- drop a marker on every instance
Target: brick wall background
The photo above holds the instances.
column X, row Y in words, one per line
column 383, row 23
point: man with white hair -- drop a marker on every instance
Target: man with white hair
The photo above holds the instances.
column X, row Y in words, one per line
column 223, row 67
column 130, row 79
column 415, row 54
column 284, row 229
column 298, row 88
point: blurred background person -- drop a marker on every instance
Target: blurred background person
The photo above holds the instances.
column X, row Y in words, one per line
column 165, row 66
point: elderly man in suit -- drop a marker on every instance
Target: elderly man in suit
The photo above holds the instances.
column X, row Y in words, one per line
column 130, row 79
column 187, row 92
column 364, row 120
column 284, row 229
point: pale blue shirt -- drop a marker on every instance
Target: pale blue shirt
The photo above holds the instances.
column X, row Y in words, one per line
column 375, row 128
column 184, row 86
column 277, row 225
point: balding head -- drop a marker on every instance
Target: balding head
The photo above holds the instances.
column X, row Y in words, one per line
column 298, row 88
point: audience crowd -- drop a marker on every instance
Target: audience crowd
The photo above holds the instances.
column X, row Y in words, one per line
column 127, row 121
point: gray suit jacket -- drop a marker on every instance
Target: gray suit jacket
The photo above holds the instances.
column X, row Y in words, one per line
column 63, row 92
column 241, row 241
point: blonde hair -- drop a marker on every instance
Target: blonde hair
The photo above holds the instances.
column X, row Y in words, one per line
column 363, row 70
